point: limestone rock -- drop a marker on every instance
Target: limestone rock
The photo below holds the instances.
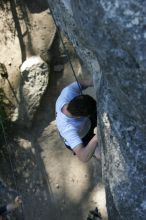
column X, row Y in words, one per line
column 110, row 40
column 34, row 80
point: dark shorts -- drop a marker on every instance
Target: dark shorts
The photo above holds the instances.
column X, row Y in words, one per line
column 3, row 210
column 90, row 133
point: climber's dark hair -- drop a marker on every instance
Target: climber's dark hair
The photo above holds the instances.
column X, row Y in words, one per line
column 82, row 105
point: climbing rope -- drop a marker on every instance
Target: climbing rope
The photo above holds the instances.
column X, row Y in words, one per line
column 11, row 164
column 65, row 50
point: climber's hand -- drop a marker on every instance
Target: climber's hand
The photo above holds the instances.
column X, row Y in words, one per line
column 18, row 201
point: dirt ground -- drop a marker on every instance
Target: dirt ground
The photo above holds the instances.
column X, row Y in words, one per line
column 53, row 183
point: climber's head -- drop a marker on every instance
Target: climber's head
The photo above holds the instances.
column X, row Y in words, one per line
column 82, row 105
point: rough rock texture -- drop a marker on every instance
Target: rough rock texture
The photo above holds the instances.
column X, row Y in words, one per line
column 34, row 81
column 112, row 34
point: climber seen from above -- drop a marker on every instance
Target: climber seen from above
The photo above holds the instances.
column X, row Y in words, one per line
column 76, row 119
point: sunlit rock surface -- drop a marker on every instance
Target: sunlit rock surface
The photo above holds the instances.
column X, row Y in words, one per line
column 110, row 38
column 34, row 81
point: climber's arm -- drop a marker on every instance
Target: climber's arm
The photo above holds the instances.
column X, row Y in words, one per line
column 85, row 153
column 86, row 83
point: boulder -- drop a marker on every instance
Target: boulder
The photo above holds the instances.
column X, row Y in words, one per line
column 34, row 81
column 23, row 35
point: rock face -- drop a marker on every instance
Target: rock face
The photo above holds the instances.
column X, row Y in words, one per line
column 109, row 37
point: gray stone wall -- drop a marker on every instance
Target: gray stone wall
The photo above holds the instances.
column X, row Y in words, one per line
column 110, row 38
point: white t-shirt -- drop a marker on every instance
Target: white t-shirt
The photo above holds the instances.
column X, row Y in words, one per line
column 71, row 129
